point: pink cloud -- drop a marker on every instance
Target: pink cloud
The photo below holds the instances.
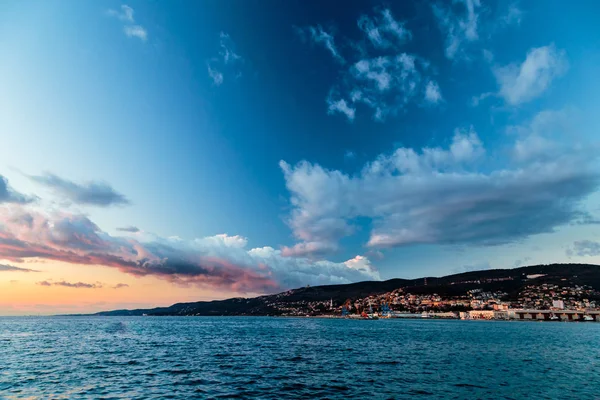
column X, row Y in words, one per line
column 77, row 240
column 217, row 262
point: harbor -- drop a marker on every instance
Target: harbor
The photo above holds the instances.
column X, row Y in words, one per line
column 502, row 315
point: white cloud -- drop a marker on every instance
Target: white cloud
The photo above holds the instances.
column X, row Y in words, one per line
column 379, row 77
column 215, row 75
column 533, row 146
column 458, row 27
column 456, row 194
column 227, row 62
column 130, row 28
column 299, row 271
column 488, row 56
column 319, row 205
column 136, row 31
column 524, row 82
column 385, row 84
column 475, row 100
column 126, row 13
column 465, row 146
column 469, row 25
column 308, row 249
column 227, row 53
column 340, row 106
column 541, row 138
column 514, row 15
column 375, row 70
column 220, row 261
column 223, row 240
column 383, row 31
column 320, row 36
column 432, row 92
column 362, row 264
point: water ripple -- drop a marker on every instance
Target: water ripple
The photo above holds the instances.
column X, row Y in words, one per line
column 276, row 358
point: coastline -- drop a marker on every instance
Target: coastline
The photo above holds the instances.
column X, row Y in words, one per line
column 330, row 316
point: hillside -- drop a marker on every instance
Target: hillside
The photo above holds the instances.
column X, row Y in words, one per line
column 510, row 282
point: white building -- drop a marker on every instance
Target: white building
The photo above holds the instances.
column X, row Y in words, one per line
column 559, row 304
column 481, row 314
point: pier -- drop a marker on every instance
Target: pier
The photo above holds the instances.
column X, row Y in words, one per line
column 544, row 315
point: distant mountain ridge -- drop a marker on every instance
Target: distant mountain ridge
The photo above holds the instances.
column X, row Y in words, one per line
column 510, row 281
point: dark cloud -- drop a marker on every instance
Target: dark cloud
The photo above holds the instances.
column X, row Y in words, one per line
column 4, row 267
column 76, row 285
column 92, row 193
column 8, row 195
column 23, row 219
column 454, row 195
column 587, row 219
column 585, row 248
column 131, row 229
column 219, row 261
column 120, row 286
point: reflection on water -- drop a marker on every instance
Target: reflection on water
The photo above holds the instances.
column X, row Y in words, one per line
column 275, row 358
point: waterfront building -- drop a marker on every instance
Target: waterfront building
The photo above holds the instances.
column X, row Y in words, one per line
column 558, row 304
column 481, row 314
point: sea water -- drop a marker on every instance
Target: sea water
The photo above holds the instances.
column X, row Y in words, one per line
column 310, row 358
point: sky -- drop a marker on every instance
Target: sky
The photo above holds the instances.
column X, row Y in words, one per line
column 161, row 152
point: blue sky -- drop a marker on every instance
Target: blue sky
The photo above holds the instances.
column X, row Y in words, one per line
column 422, row 138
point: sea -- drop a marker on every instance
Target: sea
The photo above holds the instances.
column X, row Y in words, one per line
column 295, row 358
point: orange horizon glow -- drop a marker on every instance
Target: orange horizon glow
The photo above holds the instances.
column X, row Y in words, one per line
column 21, row 293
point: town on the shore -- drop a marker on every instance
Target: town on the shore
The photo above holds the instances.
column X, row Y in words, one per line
column 544, row 301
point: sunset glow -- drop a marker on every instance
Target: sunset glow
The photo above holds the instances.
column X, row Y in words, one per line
column 155, row 153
